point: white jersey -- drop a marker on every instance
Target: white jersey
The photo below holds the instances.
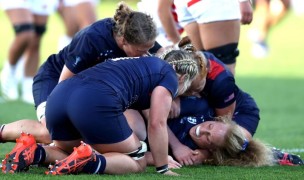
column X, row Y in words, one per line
column 205, row 11
column 150, row 7
column 38, row 7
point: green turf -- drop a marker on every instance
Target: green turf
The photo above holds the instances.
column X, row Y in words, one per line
column 277, row 84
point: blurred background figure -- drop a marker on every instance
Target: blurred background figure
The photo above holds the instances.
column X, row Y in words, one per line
column 28, row 19
column 165, row 18
column 267, row 14
column 298, row 7
column 76, row 14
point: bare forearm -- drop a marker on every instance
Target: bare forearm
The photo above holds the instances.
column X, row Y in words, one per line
column 158, row 144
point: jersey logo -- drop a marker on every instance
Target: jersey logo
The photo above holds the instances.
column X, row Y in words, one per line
column 192, row 120
column 77, row 60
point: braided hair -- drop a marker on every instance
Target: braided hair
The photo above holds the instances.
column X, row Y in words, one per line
column 184, row 63
column 185, row 44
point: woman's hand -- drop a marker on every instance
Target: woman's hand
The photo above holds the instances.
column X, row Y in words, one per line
column 172, row 163
column 246, row 12
column 184, row 155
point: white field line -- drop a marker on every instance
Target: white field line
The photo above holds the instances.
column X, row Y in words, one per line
column 294, row 150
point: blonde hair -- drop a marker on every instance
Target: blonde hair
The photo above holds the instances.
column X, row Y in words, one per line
column 184, row 63
column 185, row 44
column 135, row 27
column 238, row 151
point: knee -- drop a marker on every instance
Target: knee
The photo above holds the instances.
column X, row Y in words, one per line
column 44, row 136
column 226, row 53
column 139, row 156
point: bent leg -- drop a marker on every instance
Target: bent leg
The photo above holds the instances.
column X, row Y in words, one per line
column 12, row 131
column 136, row 123
column 117, row 162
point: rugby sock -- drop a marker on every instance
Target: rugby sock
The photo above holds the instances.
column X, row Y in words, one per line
column 95, row 167
column 40, row 155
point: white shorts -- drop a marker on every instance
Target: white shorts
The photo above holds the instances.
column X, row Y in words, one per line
column 150, row 7
column 69, row 3
column 38, row 7
column 205, row 11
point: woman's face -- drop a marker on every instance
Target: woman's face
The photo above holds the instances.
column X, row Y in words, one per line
column 137, row 50
column 209, row 135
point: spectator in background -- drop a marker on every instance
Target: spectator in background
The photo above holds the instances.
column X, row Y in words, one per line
column 29, row 19
column 76, row 15
column 267, row 14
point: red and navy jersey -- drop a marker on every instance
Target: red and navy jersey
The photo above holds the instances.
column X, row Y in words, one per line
column 90, row 46
column 133, row 79
column 220, row 89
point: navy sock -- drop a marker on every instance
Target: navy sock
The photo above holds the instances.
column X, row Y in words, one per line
column 95, row 167
column 40, row 155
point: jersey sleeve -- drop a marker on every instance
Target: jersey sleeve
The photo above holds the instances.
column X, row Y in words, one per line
column 81, row 53
column 155, row 48
column 223, row 92
column 169, row 81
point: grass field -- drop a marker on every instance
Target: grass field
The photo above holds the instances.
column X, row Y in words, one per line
column 276, row 82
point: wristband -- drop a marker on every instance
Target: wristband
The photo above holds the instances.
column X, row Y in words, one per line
column 162, row 169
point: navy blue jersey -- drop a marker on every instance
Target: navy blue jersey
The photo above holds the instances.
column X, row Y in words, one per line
column 90, row 46
column 220, row 88
column 134, row 78
column 247, row 113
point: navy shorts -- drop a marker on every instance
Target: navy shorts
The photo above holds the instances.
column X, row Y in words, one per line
column 45, row 81
column 79, row 108
column 247, row 113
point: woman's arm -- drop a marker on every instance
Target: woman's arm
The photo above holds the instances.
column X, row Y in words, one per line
column 161, row 100
column 164, row 10
column 65, row 74
column 229, row 110
column 183, row 154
